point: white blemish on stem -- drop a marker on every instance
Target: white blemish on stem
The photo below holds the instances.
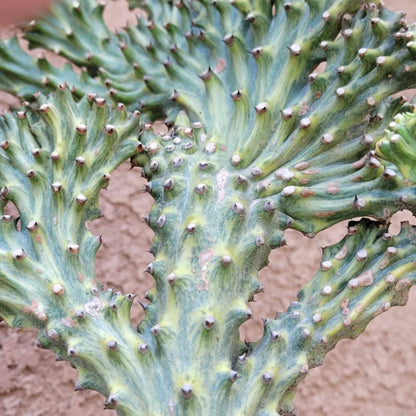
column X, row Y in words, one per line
column 94, row 307
column 222, row 178
column 171, row 407
column 204, row 259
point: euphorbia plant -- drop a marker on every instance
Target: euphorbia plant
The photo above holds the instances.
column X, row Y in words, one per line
column 258, row 141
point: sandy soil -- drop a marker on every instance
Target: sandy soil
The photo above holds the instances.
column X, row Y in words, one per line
column 372, row 376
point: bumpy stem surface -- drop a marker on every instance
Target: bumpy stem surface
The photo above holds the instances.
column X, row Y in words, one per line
column 258, row 141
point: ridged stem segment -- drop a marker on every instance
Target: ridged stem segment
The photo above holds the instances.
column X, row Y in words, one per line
column 53, row 163
column 360, row 277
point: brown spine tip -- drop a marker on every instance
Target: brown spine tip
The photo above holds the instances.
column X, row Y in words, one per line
column 81, row 129
column 326, row 16
column 130, row 297
column 45, row 108
column 161, row 221
column 226, row 260
column 361, row 255
column 305, row 123
column 112, row 401
column 326, row 290
column 177, row 162
column 112, row 345
column 306, row 333
column 233, row 376
column 81, row 199
column 388, row 174
column 327, row 138
column 347, row 34
column 375, row 21
column 80, row 314
column 19, row 254
column 316, row 318
column 207, row 75
column 201, row 35
column 58, row 289
column 91, row 96
column 228, row 39
column 143, row 348
column 32, row 226
column 30, row 174
column 362, row 52
column 73, row 248
column 209, row 322
column 261, row 108
column 99, row 102
column 269, row 206
column 4, row 192
column 312, row 77
column 359, row 203
column 380, row 61
column 326, row 265
column 190, row 228
column 288, row 113
column 55, row 156
column 274, row 336
column 256, row 52
column 109, row 129
column 71, row 351
column 171, row 279
column 340, row 92
column 235, row 160
column 80, row 161
column 324, row 45
column 155, row 330
column 139, row 147
column 267, row 377
column 385, row 306
column 340, row 70
column 201, row 188
column 287, row 6
column 150, row 268
column 187, row 391
column 295, row 49
column 260, row 241
column 154, row 164
column 238, row 208
column 169, row 184
column 236, row 95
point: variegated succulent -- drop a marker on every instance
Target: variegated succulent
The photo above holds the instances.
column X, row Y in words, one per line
column 279, row 115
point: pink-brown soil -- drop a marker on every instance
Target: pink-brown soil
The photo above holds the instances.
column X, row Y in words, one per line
column 374, row 375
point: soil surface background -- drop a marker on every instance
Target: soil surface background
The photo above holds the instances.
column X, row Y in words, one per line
column 374, row 375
